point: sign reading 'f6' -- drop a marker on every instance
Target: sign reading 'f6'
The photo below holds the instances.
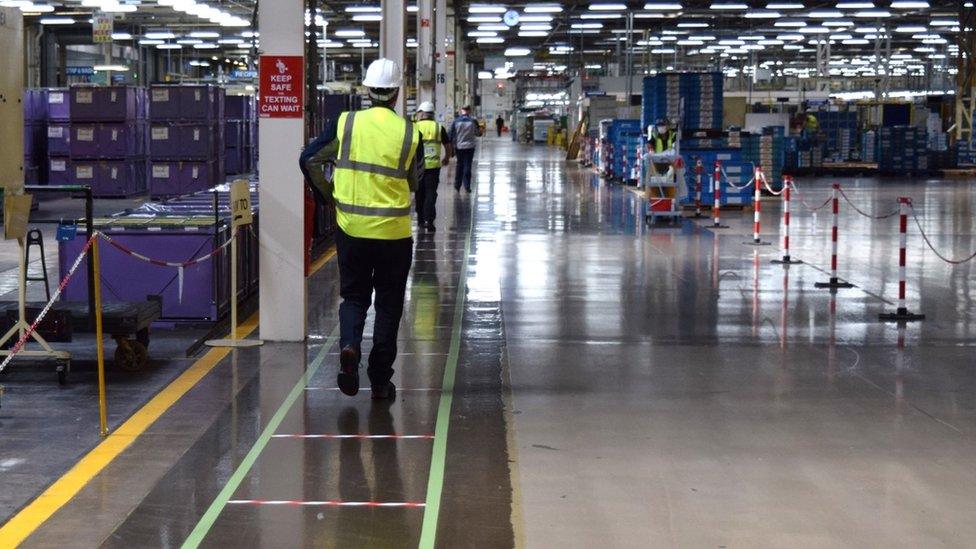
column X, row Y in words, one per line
column 282, row 86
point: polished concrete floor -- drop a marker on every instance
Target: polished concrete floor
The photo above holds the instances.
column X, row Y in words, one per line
column 616, row 385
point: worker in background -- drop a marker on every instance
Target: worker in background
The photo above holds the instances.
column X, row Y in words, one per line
column 464, row 133
column 377, row 168
column 662, row 136
column 435, row 137
column 499, row 124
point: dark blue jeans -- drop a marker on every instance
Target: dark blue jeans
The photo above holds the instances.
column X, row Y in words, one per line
column 366, row 266
column 462, row 174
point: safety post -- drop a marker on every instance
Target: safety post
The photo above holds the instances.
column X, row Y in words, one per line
column 902, row 314
column 834, row 281
column 787, row 260
column 717, row 196
column 99, row 341
column 241, row 218
column 638, row 164
column 699, row 169
column 757, row 208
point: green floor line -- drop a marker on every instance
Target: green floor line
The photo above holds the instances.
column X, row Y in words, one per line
column 435, row 482
column 210, row 517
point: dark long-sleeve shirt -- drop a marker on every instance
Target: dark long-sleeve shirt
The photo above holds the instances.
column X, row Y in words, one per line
column 324, row 149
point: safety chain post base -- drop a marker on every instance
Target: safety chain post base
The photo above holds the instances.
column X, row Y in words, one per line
column 757, row 242
column 717, row 226
column 901, row 315
column 786, row 260
column 834, row 283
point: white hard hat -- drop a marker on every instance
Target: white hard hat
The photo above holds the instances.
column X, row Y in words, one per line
column 383, row 73
column 426, row 106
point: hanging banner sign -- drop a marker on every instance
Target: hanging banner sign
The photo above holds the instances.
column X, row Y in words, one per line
column 102, row 27
column 282, row 86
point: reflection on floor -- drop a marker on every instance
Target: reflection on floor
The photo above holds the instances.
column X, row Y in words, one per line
column 616, row 385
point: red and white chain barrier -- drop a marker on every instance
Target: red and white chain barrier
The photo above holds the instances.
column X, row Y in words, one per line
column 834, row 281
column 865, row 214
column 19, row 345
column 698, row 187
column 179, row 266
column 757, row 209
column 786, row 260
column 928, row 242
column 810, row 208
column 902, row 314
column 717, row 197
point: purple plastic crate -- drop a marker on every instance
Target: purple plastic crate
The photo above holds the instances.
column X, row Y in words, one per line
column 234, row 162
column 58, row 104
column 175, row 178
column 35, row 141
column 105, row 104
column 59, row 171
column 202, row 103
column 122, row 140
column 35, row 105
column 111, row 178
column 238, row 107
column 165, row 141
column 83, row 142
column 58, row 139
column 126, row 278
column 233, row 134
column 201, row 141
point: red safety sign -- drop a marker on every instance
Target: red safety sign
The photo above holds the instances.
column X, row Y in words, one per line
column 282, row 86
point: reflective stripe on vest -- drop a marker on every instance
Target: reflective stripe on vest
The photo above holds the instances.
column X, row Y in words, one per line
column 372, row 192
column 430, row 130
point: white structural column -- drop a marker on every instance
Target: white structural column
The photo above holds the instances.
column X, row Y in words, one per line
column 282, row 192
column 425, row 51
column 450, row 66
column 393, row 41
column 440, row 60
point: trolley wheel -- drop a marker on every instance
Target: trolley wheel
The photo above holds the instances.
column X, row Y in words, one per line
column 64, row 366
column 125, row 355
column 141, row 353
column 142, row 336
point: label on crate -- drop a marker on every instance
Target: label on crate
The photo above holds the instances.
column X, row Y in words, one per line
column 160, row 95
column 84, row 172
column 160, row 133
column 115, row 135
column 160, row 171
column 83, row 97
column 55, row 98
column 196, row 134
column 115, row 173
column 58, row 165
column 196, row 95
column 56, row 132
column 113, row 96
column 85, row 134
column 195, row 172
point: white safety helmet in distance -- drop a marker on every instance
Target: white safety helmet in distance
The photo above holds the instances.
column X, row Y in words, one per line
column 426, row 106
column 383, row 73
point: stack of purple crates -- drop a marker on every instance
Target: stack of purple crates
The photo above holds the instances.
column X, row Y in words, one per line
column 35, row 136
column 105, row 141
column 186, row 139
column 239, row 133
column 58, row 107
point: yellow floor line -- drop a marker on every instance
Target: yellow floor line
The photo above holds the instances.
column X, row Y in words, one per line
column 30, row 518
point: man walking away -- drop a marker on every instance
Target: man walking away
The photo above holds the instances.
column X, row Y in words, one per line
column 434, row 135
column 376, row 169
column 464, row 132
column 500, row 124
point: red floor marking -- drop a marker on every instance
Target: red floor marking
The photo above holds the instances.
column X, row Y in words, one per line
column 298, row 503
column 359, row 436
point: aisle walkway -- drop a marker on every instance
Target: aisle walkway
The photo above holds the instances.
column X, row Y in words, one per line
column 571, row 378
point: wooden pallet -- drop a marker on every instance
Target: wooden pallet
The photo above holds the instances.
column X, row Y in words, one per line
column 959, row 172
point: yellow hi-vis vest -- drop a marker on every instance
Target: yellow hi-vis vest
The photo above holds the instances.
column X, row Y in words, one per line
column 372, row 192
column 431, row 132
column 661, row 145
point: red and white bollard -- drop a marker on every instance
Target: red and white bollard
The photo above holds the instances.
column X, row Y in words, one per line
column 834, row 281
column 902, row 314
column 717, row 194
column 638, row 164
column 787, row 260
column 698, row 187
column 757, row 208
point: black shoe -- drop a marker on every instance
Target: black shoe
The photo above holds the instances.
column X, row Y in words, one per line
column 348, row 378
column 429, row 227
column 384, row 392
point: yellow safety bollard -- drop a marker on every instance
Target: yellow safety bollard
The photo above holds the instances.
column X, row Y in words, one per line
column 99, row 341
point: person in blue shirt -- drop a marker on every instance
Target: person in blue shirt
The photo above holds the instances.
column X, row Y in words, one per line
column 464, row 133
